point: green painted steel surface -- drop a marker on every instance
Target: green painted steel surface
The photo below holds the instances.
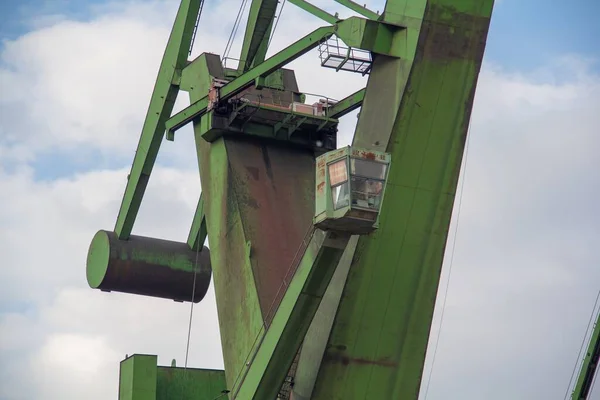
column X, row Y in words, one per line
column 249, row 189
column 418, row 109
column 587, row 373
column 276, row 350
column 377, row 37
column 347, row 104
column 137, row 378
column 147, row 266
column 316, row 11
column 258, row 30
column 238, row 305
column 365, row 12
column 197, row 234
column 161, row 106
column 189, row 384
column 316, row 337
column 97, row 259
column 141, row 379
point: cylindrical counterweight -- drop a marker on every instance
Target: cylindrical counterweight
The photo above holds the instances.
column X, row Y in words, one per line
column 148, row 267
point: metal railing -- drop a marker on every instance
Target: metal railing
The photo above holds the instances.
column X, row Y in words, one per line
column 335, row 54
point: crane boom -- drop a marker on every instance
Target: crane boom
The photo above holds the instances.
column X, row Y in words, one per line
column 585, row 379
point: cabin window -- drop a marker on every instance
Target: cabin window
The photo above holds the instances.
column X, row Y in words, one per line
column 338, row 179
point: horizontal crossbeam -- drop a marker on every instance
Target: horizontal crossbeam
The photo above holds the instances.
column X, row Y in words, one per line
column 347, row 104
column 270, row 65
column 364, row 11
column 316, row 11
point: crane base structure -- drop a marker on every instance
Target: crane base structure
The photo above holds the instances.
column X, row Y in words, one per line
column 325, row 261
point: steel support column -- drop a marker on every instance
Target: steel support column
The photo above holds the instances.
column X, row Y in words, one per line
column 418, row 109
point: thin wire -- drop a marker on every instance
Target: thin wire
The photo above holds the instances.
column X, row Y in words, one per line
column 187, row 347
column 196, row 27
column 583, row 341
column 462, row 187
column 581, row 347
column 276, row 23
column 234, row 29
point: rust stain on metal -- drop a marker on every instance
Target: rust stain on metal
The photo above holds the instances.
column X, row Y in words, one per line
column 333, row 155
column 345, row 360
column 274, row 186
column 253, row 172
column 157, row 268
column 321, row 187
column 458, row 36
column 233, row 283
column 368, row 155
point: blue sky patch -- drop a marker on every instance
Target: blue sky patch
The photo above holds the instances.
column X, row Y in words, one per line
column 525, row 35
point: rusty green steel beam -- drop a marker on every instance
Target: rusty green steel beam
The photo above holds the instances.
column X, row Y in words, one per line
column 364, row 11
column 278, row 347
column 161, row 105
column 258, row 30
column 315, row 339
column 316, row 11
column 583, row 387
column 263, row 47
column 250, row 186
column 347, row 104
column 273, row 63
column 197, row 234
column 379, row 337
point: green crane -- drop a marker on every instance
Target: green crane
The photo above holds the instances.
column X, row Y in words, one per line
column 587, row 373
column 325, row 260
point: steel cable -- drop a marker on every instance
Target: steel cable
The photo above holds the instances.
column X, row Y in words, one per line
column 187, row 347
column 582, row 346
column 234, row 29
column 276, row 23
column 462, row 186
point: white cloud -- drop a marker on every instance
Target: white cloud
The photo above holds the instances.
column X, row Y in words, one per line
column 524, row 274
column 76, row 88
column 91, row 354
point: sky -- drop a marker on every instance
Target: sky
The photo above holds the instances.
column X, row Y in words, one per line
column 521, row 270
